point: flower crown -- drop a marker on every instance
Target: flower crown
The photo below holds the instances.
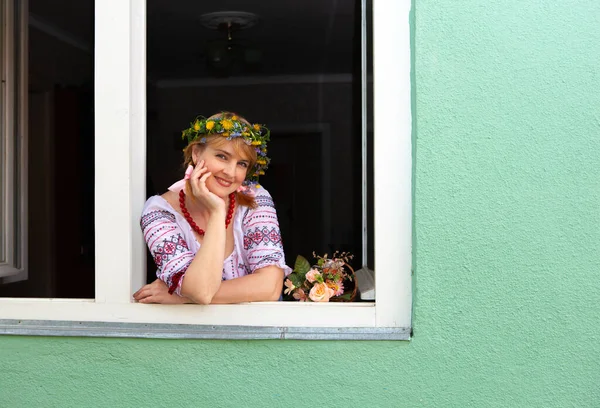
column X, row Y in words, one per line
column 231, row 127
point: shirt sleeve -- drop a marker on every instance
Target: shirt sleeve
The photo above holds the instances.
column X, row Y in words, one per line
column 168, row 247
column 262, row 238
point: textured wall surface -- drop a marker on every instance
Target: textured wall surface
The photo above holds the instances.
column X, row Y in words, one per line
column 507, row 218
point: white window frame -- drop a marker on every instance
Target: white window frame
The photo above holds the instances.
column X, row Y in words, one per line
column 13, row 132
column 120, row 154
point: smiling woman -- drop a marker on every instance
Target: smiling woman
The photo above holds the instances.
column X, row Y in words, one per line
column 199, row 261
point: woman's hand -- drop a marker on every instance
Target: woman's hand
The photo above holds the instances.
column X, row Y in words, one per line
column 207, row 199
column 157, row 292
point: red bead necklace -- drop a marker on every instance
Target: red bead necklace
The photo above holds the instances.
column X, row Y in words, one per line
column 190, row 220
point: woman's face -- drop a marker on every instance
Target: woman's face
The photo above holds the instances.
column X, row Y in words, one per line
column 228, row 168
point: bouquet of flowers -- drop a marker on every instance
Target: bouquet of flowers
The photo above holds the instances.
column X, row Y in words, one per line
column 326, row 281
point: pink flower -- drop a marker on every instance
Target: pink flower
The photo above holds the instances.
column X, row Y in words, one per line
column 320, row 293
column 300, row 295
column 311, row 275
column 337, row 286
column 290, row 286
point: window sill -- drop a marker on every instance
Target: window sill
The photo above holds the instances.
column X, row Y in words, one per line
column 182, row 331
column 261, row 320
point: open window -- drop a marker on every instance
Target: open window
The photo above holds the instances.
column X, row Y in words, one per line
column 47, row 142
column 136, row 116
column 301, row 74
column 13, row 143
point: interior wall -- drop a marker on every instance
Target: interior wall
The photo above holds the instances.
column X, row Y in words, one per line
column 55, row 63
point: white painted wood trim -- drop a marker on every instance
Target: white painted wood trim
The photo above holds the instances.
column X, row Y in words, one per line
column 120, row 140
column 279, row 314
column 392, row 162
column 138, row 140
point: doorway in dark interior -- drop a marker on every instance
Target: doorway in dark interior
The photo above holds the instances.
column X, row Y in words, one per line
column 297, row 179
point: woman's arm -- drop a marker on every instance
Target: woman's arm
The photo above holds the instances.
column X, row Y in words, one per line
column 203, row 276
column 263, row 285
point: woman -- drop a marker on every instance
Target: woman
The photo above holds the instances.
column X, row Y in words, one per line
column 214, row 235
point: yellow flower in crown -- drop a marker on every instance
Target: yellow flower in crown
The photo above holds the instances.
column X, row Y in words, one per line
column 197, row 126
column 210, row 124
column 256, row 127
column 227, row 124
column 234, row 117
column 256, row 143
column 261, row 161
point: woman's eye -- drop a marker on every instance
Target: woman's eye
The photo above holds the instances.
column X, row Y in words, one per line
column 221, row 156
column 243, row 164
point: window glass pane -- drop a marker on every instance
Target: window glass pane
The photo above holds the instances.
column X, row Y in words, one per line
column 3, row 103
column 60, row 158
column 294, row 66
column 12, row 257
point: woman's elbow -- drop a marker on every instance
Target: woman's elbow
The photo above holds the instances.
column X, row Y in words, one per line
column 273, row 297
column 276, row 293
column 203, row 299
column 200, row 297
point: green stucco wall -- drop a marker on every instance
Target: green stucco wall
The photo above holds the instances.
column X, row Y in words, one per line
column 507, row 232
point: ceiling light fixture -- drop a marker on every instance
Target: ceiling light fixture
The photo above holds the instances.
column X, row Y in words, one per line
column 238, row 20
column 227, row 56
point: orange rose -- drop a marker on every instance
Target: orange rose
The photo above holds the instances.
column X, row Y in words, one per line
column 320, row 293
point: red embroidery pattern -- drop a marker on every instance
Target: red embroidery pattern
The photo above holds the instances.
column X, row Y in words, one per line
column 167, row 245
column 265, row 236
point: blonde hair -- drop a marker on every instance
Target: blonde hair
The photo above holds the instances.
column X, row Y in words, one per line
column 244, row 150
